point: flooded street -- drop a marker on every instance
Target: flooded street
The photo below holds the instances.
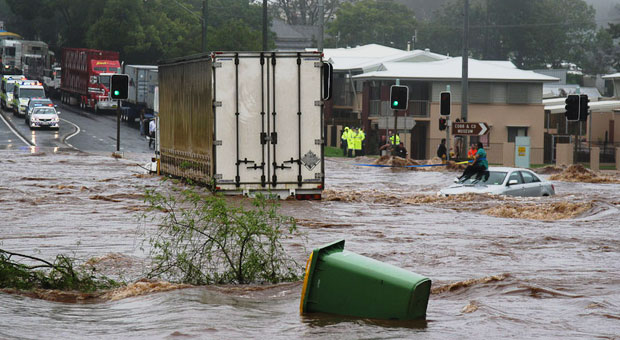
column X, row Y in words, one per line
column 554, row 275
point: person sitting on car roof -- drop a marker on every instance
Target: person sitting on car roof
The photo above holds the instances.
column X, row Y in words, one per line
column 478, row 167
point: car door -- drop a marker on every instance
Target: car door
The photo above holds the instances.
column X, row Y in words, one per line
column 531, row 184
column 515, row 189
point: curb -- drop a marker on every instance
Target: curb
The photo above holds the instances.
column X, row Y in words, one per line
column 14, row 129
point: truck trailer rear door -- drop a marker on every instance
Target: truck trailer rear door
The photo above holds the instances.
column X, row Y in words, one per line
column 268, row 122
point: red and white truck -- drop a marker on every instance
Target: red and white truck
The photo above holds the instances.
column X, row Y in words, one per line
column 86, row 75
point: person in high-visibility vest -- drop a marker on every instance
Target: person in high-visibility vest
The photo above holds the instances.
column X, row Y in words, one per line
column 362, row 137
column 343, row 138
column 350, row 142
column 395, row 139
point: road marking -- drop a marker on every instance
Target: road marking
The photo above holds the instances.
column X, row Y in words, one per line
column 71, row 135
column 15, row 132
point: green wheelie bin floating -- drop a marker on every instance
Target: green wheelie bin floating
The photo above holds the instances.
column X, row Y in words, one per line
column 341, row 282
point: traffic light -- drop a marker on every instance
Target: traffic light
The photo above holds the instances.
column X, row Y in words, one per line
column 572, row 107
column 442, row 124
column 399, row 97
column 119, row 88
column 444, row 104
column 583, row 107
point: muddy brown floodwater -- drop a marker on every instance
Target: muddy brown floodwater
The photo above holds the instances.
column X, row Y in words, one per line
column 501, row 267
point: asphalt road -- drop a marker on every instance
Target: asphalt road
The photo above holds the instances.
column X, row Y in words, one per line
column 81, row 130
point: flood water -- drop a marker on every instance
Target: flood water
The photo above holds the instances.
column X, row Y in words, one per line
column 552, row 276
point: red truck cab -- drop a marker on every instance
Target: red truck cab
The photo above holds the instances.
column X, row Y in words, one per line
column 86, row 75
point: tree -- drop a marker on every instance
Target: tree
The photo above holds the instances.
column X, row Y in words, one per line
column 143, row 31
column 369, row 21
column 304, row 12
column 531, row 33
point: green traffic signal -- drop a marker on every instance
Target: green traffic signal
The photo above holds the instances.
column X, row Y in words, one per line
column 117, row 92
column 395, row 103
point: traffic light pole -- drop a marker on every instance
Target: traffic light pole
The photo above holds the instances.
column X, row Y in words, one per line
column 118, row 126
column 448, row 138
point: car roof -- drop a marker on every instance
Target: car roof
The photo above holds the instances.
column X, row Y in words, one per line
column 506, row 169
column 40, row 99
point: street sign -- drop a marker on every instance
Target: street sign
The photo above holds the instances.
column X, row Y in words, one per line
column 470, row 129
column 403, row 123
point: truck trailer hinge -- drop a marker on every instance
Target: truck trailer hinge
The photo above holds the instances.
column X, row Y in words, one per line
column 217, row 104
column 318, row 64
column 245, row 161
column 318, row 142
column 318, row 103
column 217, row 176
column 318, row 175
column 274, row 138
column 264, row 138
column 217, row 142
column 256, row 167
column 217, row 64
column 292, row 161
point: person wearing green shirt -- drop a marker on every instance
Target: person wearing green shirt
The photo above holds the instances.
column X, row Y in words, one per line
column 478, row 167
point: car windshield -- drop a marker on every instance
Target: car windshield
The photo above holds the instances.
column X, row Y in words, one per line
column 488, row 178
column 10, row 87
column 29, row 93
column 44, row 111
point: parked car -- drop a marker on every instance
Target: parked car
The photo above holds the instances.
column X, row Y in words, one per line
column 503, row 181
column 36, row 102
column 43, row 116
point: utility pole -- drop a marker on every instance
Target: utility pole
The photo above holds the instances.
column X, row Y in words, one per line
column 204, row 26
column 321, row 25
column 465, row 67
column 465, row 64
column 265, row 25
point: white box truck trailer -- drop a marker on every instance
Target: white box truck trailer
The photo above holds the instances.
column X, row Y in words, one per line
column 246, row 122
column 140, row 90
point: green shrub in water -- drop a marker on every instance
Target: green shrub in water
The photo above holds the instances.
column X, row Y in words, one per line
column 62, row 274
column 202, row 239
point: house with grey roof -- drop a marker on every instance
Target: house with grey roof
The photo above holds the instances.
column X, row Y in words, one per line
column 508, row 99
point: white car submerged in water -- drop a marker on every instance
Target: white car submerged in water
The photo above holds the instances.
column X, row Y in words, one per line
column 502, row 181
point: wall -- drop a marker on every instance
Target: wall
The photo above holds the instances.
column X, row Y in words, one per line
column 499, row 117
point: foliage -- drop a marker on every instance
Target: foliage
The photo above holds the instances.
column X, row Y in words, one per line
column 532, row 33
column 143, row 31
column 331, row 151
column 62, row 274
column 202, row 239
column 368, row 21
column 304, row 12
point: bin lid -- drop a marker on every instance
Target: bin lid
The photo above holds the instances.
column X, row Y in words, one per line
column 311, row 265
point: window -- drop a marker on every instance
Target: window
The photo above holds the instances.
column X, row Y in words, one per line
column 489, row 178
column 375, row 93
column 514, row 131
column 529, row 177
column 101, row 69
column 515, row 175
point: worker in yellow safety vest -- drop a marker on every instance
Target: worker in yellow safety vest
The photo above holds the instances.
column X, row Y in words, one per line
column 351, row 142
column 394, row 139
column 358, row 142
column 362, row 137
column 343, row 138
